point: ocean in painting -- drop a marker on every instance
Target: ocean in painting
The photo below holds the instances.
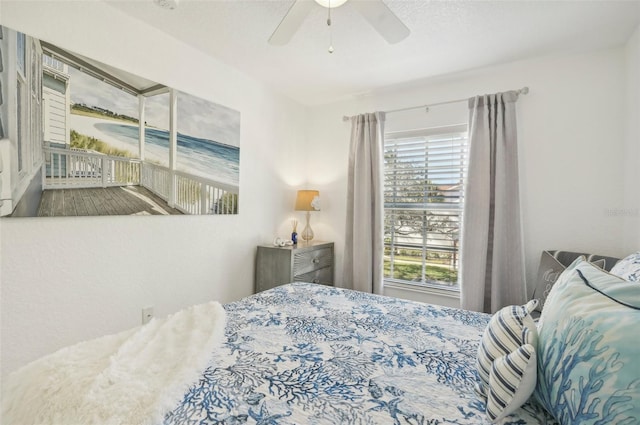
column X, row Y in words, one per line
column 202, row 157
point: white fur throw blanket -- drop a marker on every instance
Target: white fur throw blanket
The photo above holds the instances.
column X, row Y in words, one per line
column 134, row 377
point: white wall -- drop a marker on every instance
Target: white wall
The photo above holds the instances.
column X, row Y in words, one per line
column 70, row 279
column 631, row 205
column 571, row 145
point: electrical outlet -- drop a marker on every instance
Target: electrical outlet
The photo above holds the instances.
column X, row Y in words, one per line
column 147, row 314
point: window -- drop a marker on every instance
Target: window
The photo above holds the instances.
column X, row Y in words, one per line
column 21, row 119
column 21, row 96
column 21, row 54
column 423, row 194
column 36, row 107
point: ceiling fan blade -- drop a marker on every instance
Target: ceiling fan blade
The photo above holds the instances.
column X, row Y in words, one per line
column 291, row 22
column 382, row 19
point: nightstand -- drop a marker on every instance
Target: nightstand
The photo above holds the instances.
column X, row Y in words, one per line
column 305, row 262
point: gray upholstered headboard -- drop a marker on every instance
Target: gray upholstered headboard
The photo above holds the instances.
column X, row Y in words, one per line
column 567, row 257
column 552, row 263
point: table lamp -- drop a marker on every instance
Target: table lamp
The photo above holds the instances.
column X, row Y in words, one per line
column 307, row 200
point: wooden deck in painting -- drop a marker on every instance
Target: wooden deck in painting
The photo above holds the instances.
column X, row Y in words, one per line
column 129, row 200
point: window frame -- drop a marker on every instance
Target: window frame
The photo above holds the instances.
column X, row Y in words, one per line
column 428, row 133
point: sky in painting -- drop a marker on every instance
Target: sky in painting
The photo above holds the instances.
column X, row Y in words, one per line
column 196, row 117
column 93, row 92
column 207, row 120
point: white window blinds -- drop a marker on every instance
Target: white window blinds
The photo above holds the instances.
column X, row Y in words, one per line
column 424, row 176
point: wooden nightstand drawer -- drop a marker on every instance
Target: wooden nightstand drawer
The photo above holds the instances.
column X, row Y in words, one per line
column 305, row 262
column 323, row 276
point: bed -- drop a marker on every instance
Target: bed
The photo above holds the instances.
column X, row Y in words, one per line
column 310, row 354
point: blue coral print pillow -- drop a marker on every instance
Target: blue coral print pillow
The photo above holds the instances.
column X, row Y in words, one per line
column 588, row 350
column 628, row 268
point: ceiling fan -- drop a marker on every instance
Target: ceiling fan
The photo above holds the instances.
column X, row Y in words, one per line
column 375, row 12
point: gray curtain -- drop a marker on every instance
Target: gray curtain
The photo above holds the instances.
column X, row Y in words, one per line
column 492, row 261
column 363, row 248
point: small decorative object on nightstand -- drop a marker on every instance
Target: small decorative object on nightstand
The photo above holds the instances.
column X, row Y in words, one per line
column 294, row 233
column 304, row 262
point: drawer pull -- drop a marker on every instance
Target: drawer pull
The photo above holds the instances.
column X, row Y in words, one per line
column 316, row 260
column 316, row 281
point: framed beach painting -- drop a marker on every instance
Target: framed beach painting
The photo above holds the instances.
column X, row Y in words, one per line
column 84, row 138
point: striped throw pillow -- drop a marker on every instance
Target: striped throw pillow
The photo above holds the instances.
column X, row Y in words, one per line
column 512, row 381
column 508, row 329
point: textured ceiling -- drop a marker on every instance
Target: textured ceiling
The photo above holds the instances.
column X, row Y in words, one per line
column 446, row 37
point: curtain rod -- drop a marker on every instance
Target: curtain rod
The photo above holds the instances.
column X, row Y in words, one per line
column 523, row 90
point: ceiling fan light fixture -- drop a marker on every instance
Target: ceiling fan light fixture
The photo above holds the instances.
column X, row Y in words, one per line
column 376, row 12
column 331, row 3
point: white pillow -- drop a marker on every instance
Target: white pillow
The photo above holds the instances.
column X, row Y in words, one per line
column 628, row 268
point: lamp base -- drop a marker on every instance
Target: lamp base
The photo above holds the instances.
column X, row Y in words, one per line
column 307, row 233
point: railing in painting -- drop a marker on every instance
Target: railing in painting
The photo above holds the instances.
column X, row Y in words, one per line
column 193, row 194
column 65, row 168
column 157, row 179
column 52, row 63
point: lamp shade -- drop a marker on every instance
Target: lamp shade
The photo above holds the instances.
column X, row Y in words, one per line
column 308, row 200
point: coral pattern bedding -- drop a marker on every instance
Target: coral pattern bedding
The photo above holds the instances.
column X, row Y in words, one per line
column 310, row 354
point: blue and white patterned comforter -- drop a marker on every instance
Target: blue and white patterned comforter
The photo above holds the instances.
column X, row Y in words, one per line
column 310, row 354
